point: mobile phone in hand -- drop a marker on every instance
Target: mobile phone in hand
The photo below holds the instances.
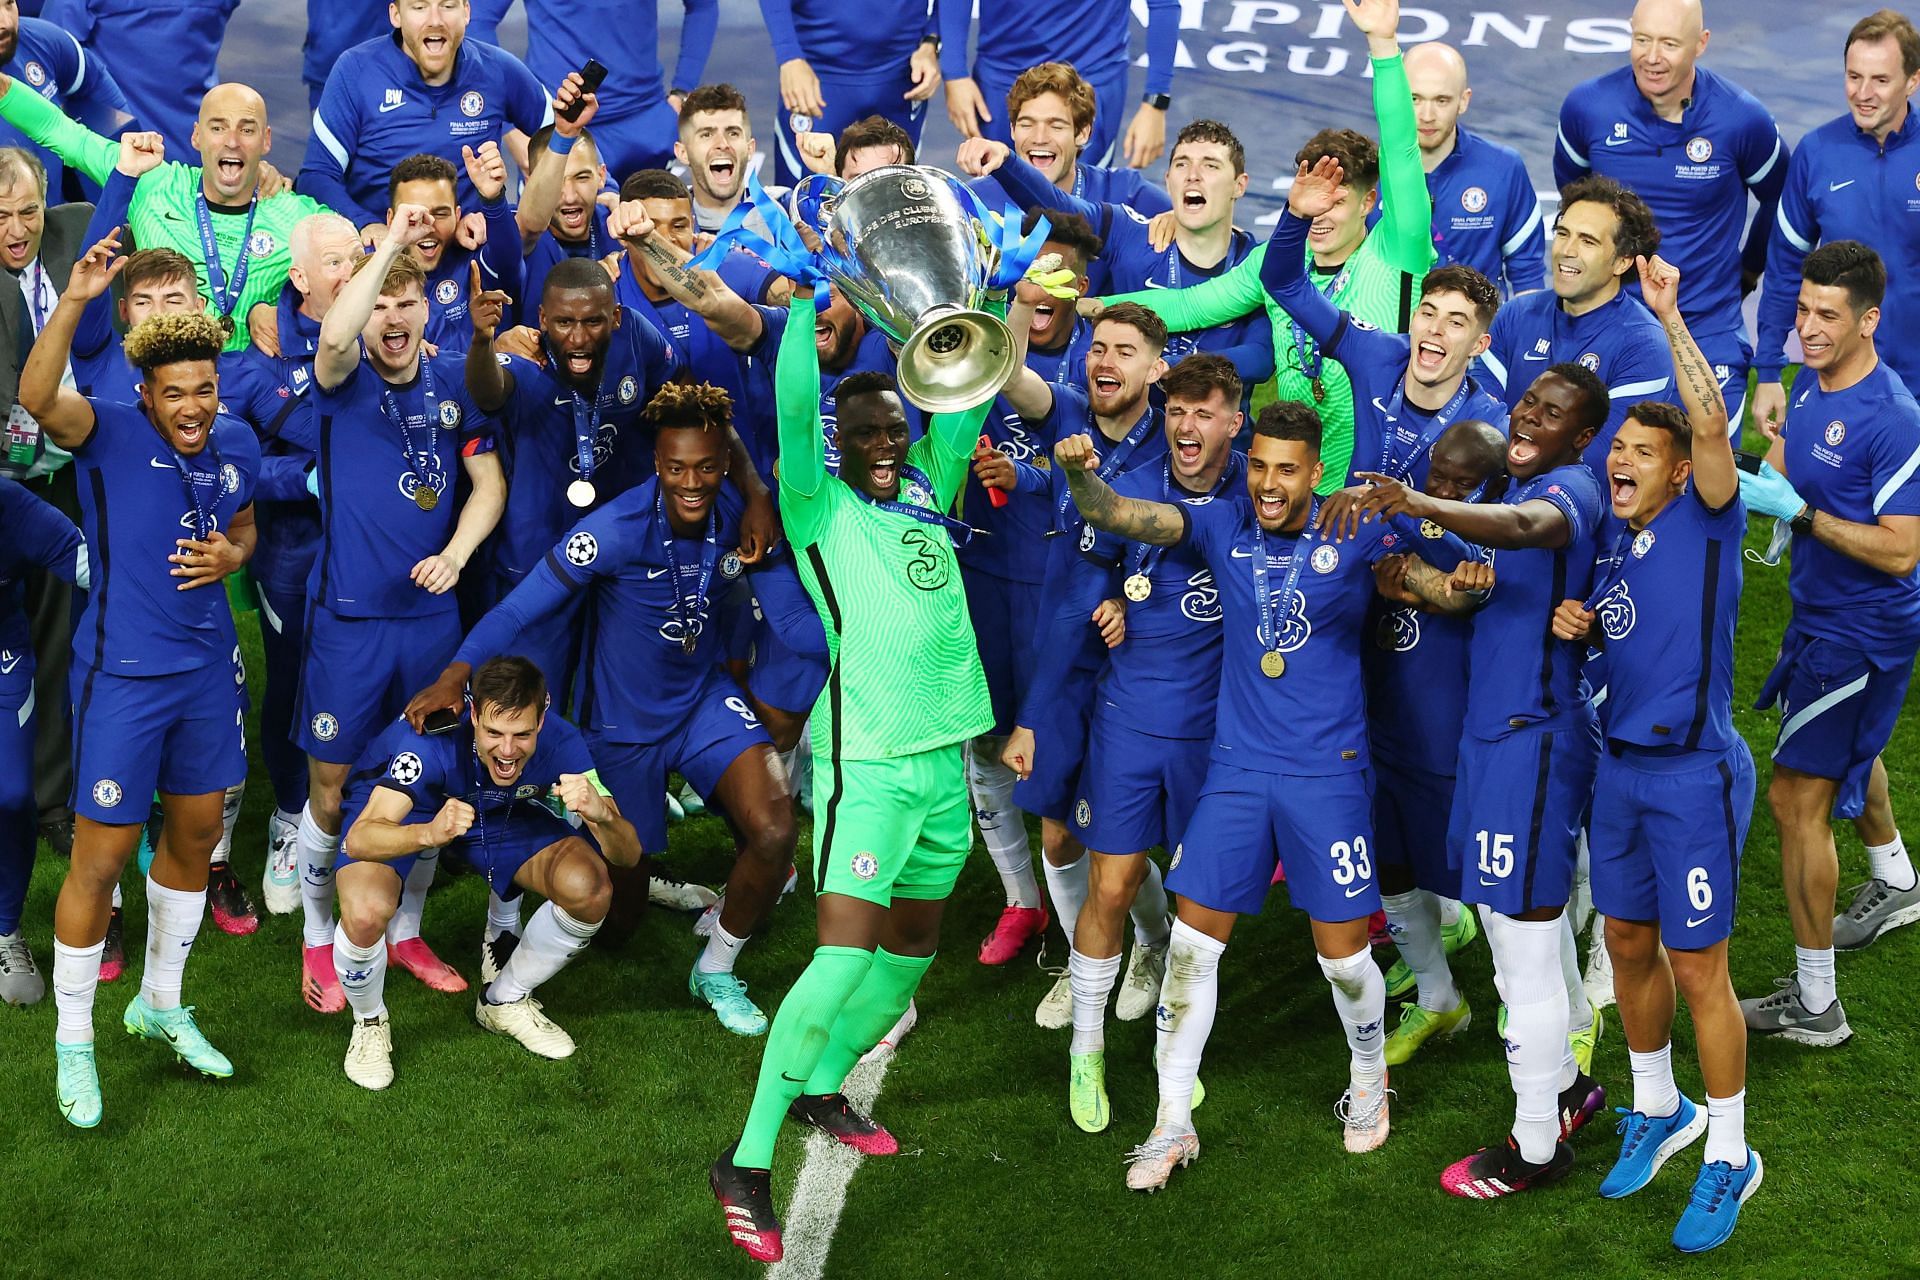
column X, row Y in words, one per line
column 590, row 75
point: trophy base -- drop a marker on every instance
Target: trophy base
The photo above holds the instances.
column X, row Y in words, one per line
column 955, row 359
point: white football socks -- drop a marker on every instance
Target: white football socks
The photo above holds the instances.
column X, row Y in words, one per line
column 229, row 815
column 76, row 974
column 405, row 924
column 1890, row 863
column 363, row 974
column 1526, row 970
column 1360, row 998
column 502, row 916
column 1580, row 1010
column 1184, row 1020
column 1002, row 827
column 1149, row 909
column 1818, row 984
column 1092, row 983
column 317, row 851
column 552, row 938
column 1067, row 887
column 1654, row 1092
column 116, row 895
column 722, row 950
column 1727, row 1130
column 1413, row 918
column 173, row 921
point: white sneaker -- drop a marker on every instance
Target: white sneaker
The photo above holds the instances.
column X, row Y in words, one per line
column 1140, row 988
column 677, row 895
column 1150, row 1164
column 1056, row 1011
column 280, row 883
column 523, row 1021
column 891, row 1041
column 20, row 980
column 1599, row 976
column 370, row 1053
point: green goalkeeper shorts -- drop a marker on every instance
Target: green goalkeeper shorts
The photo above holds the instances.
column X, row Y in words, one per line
column 895, row 828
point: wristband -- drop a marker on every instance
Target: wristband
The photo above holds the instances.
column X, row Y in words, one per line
column 555, row 141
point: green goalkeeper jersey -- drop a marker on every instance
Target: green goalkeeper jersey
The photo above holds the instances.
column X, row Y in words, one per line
column 165, row 211
column 906, row 671
column 1378, row 284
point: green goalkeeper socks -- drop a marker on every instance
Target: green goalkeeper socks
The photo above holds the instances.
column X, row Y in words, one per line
column 800, row 1035
column 870, row 1014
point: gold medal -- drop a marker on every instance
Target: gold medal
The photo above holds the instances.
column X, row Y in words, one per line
column 425, row 498
column 1138, row 587
column 1319, row 394
column 1273, row 664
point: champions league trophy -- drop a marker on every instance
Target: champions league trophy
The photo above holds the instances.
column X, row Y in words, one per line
column 905, row 246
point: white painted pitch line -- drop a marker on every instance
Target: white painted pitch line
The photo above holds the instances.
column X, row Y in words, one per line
column 820, row 1193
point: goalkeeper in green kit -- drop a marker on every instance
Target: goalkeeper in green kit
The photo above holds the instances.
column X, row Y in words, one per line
column 214, row 212
column 893, row 822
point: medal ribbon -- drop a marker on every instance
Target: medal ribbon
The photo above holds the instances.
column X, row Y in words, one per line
column 1269, row 628
column 419, row 463
column 689, row 616
column 225, row 299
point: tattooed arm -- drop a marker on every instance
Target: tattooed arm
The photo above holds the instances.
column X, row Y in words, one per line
column 1462, row 591
column 1159, row 523
column 1715, row 478
column 654, row 258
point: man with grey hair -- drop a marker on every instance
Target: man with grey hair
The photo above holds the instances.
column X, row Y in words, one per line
column 1486, row 214
column 38, row 247
column 270, row 390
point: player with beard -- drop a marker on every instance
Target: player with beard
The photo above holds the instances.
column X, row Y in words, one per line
column 1526, row 759
column 1092, row 36
column 875, row 555
column 156, row 682
column 272, row 393
column 381, row 618
column 1004, row 570
column 1674, row 790
column 1288, row 766
column 483, row 792
column 1695, row 146
column 422, row 87
column 1153, row 717
column 842, row 63
column 559, row 213
column 1374, row 274
column 1047, row 747
column 1587, row 317
column 1406, row 389
column 429, row 182
column 219, row 213
column 1486, row 214
column 51, row 60
column 1416, row 673
column 1206, row 177
column 650, row 566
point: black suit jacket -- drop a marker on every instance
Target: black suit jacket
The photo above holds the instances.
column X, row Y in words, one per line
column 60, row 247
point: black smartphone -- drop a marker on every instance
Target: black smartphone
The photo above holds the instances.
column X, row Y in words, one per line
column 444, row 720
column 591, row 75
column 1748, row 462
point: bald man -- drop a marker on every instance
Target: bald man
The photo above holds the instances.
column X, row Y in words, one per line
column 216, row 212
column 1693, row 145
column 1486, row 214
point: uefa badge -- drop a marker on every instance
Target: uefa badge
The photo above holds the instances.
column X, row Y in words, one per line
column 1082, row 814
column 730, row 565
column 1087, row 535
column 325, row 727
column 106, row 793
column 1836, row 432
column 472, row 104
column 864, row 866
column 406, row 768
column 582, row 549
column 1473, row 199
column 1642, row 543
column 1431, row 531
column 1699, row 150
column 629, row 389
column 445, row 292
column 1325, row 559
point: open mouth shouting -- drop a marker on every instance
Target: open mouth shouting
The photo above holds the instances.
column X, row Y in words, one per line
column 883, row 474
column 1043, row 159
column 1187, row 452
column 434, row 45
column 1429, row 356
column 429, row 251
column 721, row 168
column 394, row 342
column 1105, row 386
column 1623, row 489
column 190, row 434
column 572, row 219
column 16, row 253
column 232, row 169
column 1522, row 450
column 1193, row 200
column 1271, row 509
column 504, row 769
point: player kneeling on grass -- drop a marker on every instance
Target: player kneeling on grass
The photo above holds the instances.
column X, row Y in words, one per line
column 1674, row 790
column 478, row 790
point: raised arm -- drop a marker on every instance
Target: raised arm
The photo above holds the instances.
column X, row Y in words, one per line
column 382, row 833
column 796, row 394
column 49, row 127
column 1221, row 300
column 1715, row 478
column 1406, row 207
column 540, row 193
column 110, row 212
column 1135, row 519
column 340, row 332
column 731, row 317
column 62, row 412
column 1506, row 527
column 488, row 381
column 1283, row 272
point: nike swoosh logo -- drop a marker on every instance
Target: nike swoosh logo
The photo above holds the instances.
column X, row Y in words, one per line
column 1376, row 404
column 1835, row 186
column 790, row 1080
column 1238, row 554
column 563, row 400
column 654, row 573
column 155, row 462
column 8, row 661
column 1489, row 883
column 1691, row 922
column 1155, row 284
column 1356, row 891
column 1614, row 142
column 392, row 106
column 1536, row 355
